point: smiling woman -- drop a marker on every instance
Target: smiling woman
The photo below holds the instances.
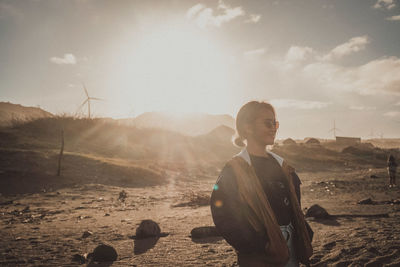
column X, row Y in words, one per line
column 176, row 69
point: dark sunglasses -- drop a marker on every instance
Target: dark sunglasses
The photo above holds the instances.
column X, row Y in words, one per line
column 272, row 124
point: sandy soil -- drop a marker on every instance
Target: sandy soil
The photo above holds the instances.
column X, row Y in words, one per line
column 46, row 228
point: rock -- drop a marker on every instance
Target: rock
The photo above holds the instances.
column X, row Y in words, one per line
column 148, row 228
column 329, row 245
column 104, row 253
column 6, row 202
column 396, row 201
column 79, row 258
column 366, row 201
column 86, row 234
column 204, row 231
column 26, row 209
column 317, row 212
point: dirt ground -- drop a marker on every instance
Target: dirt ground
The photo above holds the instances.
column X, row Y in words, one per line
column 45, row 229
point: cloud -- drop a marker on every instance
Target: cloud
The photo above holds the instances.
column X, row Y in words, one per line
column 393, row 18
column 308, row 69
column 8, row 10
column 298, row 104
column 252, row 54
column 194, row 10
column 355, row 44
column 362, row 108
column 253, row 18
column 205, row 17
column 397, row 104
column 298, row 54
column 392, row 114
column 384, row 4
column 381, row 76
column 67, row 59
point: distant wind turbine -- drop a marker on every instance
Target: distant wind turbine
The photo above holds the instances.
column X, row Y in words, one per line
column 334, row 129
column 371, row 135
column 87, row 100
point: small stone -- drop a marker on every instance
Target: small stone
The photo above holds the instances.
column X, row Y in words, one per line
column 366, row 201
column 86, row 234
column 26, row 209
column 79, row 258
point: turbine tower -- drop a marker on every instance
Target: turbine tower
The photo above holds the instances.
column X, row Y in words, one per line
column 88, row 98
column 334, row 129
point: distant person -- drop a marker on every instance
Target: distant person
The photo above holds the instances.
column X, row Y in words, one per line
column 255, row 203
column 392, row 167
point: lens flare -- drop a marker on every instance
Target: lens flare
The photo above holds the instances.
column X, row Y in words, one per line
column 218, row 203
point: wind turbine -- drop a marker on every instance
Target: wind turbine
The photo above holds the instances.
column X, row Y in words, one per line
column 334, row 129
column 372, row 135
column 87, row 100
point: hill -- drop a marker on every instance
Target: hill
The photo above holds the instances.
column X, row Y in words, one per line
column 15, row 113
column 189, row 124
column 112, row 140
column 102, row 152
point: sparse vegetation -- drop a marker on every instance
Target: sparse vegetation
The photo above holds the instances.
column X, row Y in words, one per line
column 194, row 199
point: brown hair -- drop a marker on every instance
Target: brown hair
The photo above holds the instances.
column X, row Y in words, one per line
column 247, row 115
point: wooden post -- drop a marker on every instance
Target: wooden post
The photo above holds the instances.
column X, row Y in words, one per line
column 61, row 153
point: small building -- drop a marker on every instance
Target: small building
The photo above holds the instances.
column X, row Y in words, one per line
column 348, row 140
column 289, row 141
column 313, row 141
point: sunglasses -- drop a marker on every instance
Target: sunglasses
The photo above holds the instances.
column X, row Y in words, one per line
column 271, row 124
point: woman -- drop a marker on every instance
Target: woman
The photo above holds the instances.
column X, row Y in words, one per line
column 392, row 167
column 255, row 203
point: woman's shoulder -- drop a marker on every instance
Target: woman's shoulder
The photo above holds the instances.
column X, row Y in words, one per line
column 226, row 175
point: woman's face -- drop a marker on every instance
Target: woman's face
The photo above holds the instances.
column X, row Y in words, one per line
column 262, row 132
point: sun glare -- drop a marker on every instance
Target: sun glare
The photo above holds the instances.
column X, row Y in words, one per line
column 176, row 69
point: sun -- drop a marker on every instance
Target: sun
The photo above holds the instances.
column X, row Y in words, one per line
column 176, row 68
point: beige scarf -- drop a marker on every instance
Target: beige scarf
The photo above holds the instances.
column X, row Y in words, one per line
column 262, row 217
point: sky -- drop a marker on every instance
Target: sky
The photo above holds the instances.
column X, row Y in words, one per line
column 317, row 61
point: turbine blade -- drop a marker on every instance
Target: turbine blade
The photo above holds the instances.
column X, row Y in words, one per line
column 84, row 102
column 84, row 88
column 95, row 98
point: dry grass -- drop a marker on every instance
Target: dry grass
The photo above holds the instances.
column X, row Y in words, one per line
column 194, row 199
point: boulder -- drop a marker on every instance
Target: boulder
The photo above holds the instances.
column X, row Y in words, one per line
column 317, row 212
column 204, row 231
column 148, row 228
column 104, row 253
